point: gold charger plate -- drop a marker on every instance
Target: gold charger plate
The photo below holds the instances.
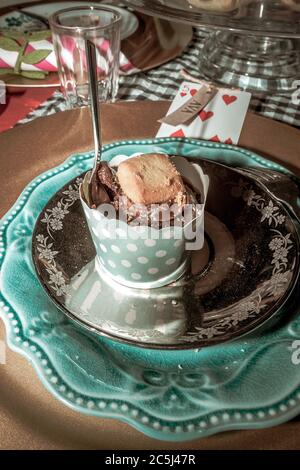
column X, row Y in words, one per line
column 30, row 418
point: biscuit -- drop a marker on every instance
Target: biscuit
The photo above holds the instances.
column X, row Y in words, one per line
column 150, row 179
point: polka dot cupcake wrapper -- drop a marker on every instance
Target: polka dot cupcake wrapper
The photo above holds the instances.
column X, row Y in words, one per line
column 140, row 262
column 143, row 263
column 136, row 281
column 145, row 256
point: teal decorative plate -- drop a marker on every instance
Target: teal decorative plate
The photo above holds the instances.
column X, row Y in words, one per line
column 253, row 381
column 233, row 284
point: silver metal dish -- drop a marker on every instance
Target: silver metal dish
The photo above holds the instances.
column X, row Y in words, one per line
column 242, row 276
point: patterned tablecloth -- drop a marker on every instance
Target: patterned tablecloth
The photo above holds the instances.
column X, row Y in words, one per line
column 163, row 82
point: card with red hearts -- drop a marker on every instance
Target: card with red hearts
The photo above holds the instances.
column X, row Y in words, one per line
column 221, row 120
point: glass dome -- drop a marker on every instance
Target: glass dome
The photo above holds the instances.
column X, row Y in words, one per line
column 266, row 17
column 252, row 43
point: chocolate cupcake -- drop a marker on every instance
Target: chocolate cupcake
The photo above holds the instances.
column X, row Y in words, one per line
column 145, row 213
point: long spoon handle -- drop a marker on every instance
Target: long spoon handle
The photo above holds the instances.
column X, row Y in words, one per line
column 95, row 108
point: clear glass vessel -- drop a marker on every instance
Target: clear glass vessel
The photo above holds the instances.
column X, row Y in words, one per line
column 70, row 27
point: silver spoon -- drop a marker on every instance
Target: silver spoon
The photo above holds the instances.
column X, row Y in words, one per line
column 97, row 193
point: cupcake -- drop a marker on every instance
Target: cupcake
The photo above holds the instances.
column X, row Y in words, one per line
column 145, row 214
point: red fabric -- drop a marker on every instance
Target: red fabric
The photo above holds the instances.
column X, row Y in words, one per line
column 21, row 102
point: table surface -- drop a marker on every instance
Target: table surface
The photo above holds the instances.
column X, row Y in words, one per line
column 162, row 83
column 30, row 417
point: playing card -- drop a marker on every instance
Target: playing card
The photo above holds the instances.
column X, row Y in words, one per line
column 220, row 121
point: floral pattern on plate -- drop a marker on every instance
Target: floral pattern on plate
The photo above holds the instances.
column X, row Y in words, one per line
column 225, row 311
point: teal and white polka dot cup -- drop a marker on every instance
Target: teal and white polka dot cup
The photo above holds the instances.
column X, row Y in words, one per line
column 141, row 256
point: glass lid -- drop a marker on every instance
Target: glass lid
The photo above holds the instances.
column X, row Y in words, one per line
column 264, row 17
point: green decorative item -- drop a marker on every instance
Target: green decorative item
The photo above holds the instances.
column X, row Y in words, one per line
column 17, row 42
column 35, row 57
column 9, row 44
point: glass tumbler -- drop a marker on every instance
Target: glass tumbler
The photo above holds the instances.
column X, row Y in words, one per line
column 70, row 27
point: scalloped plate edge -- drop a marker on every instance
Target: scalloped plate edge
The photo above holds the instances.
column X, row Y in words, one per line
column 213, row 423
